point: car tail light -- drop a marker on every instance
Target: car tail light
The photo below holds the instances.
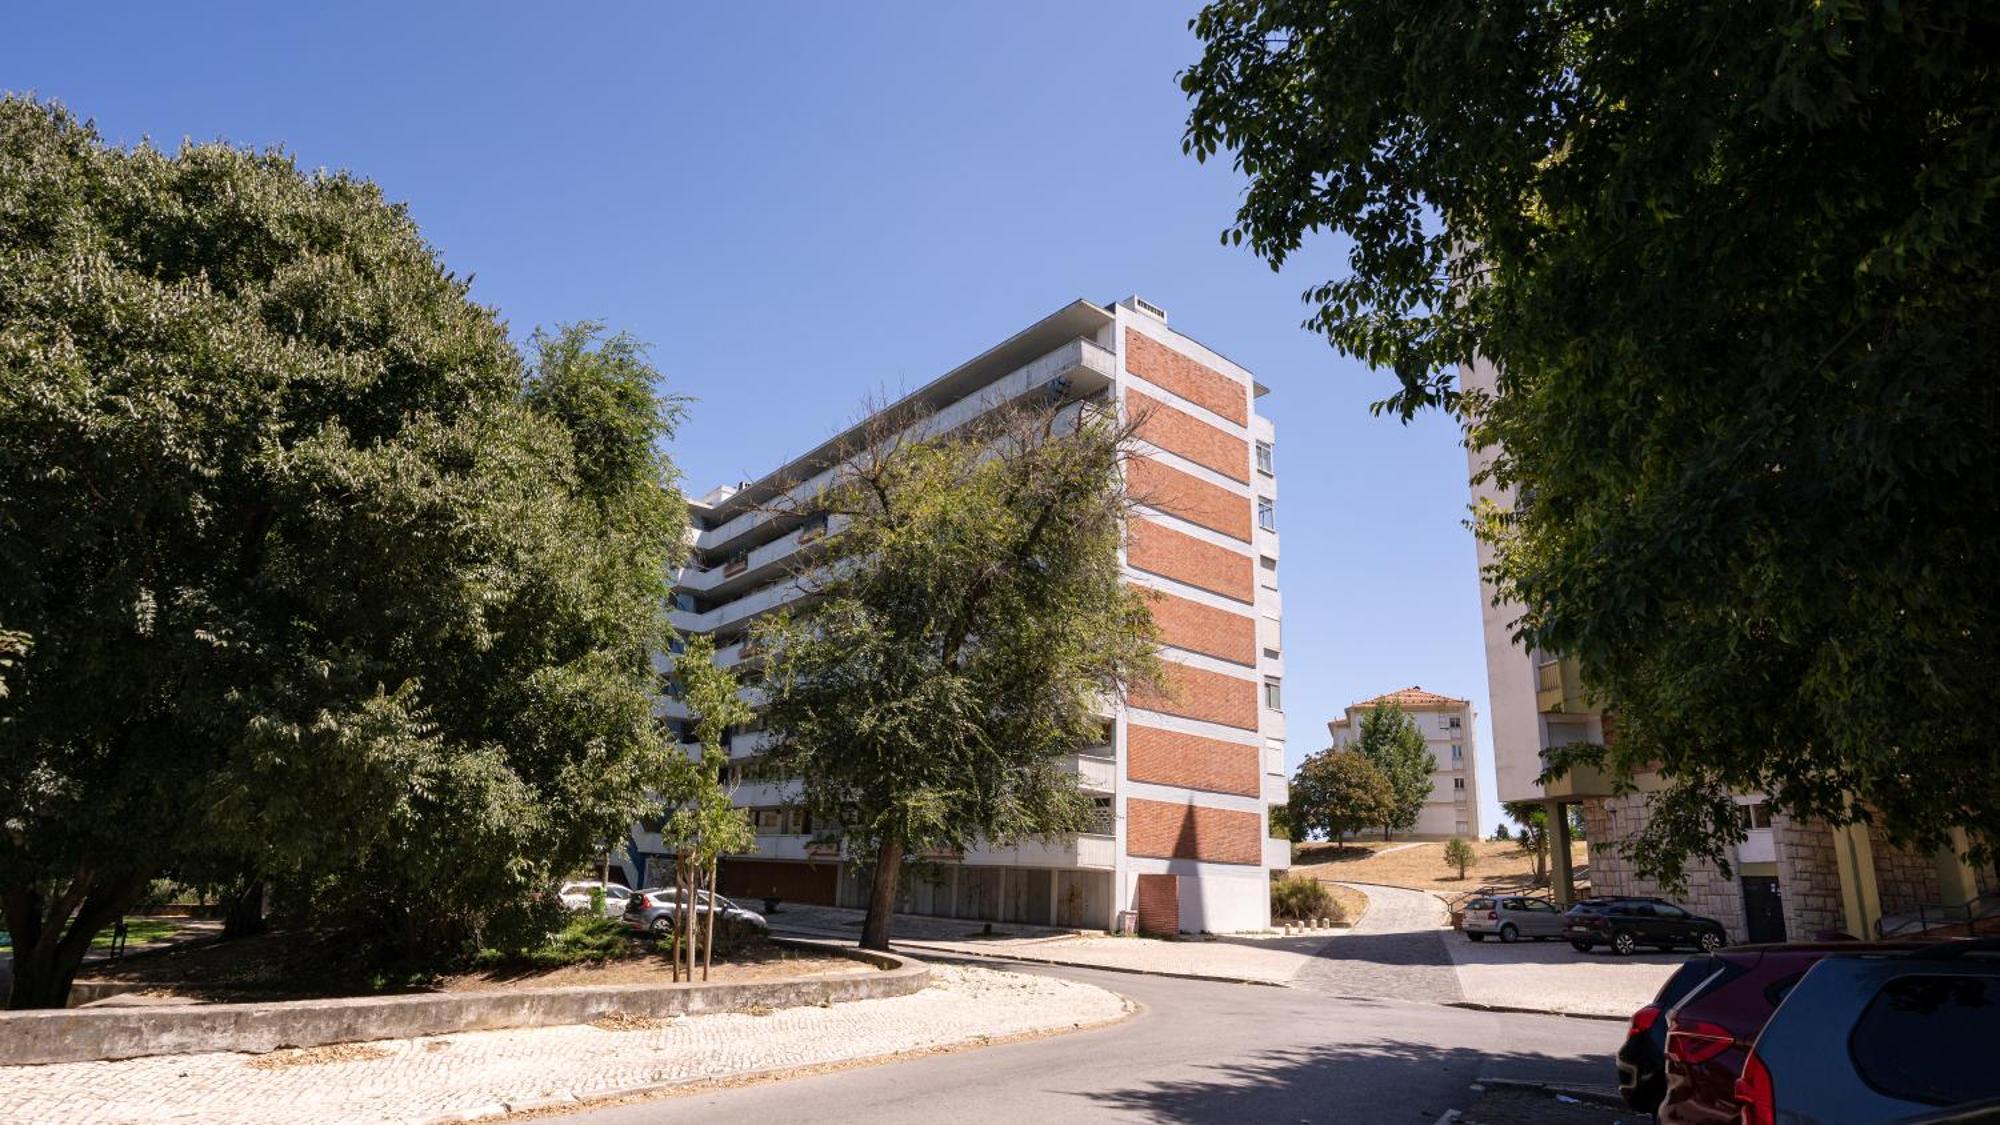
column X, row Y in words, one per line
column 1643, row 1021
column 1492, row 916
column 1755, row 1094
column 1698, row 1042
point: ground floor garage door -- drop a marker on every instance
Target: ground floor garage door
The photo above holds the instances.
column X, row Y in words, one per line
column 809, row 884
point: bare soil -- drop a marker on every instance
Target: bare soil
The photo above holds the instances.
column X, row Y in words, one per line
column 298, row 966
column 1501, row 864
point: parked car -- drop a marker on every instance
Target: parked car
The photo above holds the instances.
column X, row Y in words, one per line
column 1625, row 924
column 1882, row 1037
column 576, row 896
column 1642, row 1074
column 653, row 910
column 1709, row 1031
column 1512, row 918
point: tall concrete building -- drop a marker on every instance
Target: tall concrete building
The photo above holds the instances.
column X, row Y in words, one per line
column 1184, row 778
column 1452, row 809
column 1789, row 880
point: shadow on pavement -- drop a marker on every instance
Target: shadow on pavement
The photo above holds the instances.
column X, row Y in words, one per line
column 1381, row 1081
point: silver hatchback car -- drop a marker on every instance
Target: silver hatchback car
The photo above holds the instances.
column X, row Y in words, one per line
column 653, row 909
column 1512, row 917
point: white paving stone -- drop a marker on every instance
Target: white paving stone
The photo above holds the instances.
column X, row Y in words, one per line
column 480, row 1072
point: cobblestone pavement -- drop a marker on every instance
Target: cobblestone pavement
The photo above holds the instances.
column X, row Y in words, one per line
column 484, row 1072
column 1397, row 950
column 1552, row 977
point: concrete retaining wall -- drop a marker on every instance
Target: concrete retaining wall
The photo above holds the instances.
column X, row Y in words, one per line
column 89, row 1034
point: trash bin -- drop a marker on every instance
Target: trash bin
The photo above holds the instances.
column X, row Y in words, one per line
column 1128, row 922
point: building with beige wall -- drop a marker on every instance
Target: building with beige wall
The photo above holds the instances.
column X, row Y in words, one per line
column 1184, row 776
column 1789, row 879
column 1452, row 809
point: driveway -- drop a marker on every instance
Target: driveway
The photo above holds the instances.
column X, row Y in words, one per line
column 1197, row 1051
column 1397, row 950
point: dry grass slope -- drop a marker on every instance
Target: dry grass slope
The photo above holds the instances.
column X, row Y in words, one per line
column 1421, row 865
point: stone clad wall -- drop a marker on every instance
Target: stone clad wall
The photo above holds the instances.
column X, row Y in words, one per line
column 1808, row 877
column 1905, row 879
column 1611, row 819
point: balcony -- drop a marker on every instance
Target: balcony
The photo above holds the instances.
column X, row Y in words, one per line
column 1559, row 687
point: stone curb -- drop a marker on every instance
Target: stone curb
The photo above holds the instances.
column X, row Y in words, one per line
column 968, row 955
column 96, row 1034
column 1474, row 1006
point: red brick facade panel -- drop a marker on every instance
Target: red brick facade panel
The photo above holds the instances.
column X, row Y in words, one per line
column 1188, row 497
column 1183, row 558
column 1163, row 830
column 1202, row 628
column 1197, row 693
column 1166, row 757
column 1177, row 431
column 1157, row 899
column 1198, row 383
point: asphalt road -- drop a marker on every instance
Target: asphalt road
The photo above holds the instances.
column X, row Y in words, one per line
column 1196, row 1052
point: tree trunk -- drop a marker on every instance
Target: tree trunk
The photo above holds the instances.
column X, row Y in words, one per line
column 246, row 913
column 49, row 945
column 708, row 942
column 882, row 896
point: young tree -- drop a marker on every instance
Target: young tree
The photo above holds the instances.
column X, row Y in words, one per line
column 1458, row 853
column 1736, row 266
column 1338, row 791
column 1533, row 838
column 318, row 576
column 1389, row 738
column 707, row 825
column 964, row 625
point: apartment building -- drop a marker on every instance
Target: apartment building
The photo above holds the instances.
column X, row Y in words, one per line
column 1789, row 879
column 1452, row 809
column 1184, row 777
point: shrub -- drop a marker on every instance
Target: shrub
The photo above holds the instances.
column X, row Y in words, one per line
column 1500, row 832
column 1458, row 853
column 581, row 938
column 1298, row 897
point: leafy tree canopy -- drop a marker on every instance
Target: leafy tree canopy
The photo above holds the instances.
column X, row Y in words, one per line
column 1338, row 791
column 1389, row 738
column 318, row 574
column 1736, row 266
column 966, row 623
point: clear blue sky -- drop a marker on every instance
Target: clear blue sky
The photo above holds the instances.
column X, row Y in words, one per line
column 800, row 204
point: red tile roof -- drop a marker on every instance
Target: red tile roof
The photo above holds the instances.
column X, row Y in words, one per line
column 1412, row 698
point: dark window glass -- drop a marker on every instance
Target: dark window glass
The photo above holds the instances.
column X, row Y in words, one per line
column 1662, row 910
column 1693, row 972
column 1929, row 1039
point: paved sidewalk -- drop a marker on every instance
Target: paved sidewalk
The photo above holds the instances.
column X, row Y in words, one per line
column 484, row 1073
column 1552, row 977
column 1397, row 950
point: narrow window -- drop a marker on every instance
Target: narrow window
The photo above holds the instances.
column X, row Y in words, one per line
column 1273, row 694
column 1264, row 458
column 1267, row 514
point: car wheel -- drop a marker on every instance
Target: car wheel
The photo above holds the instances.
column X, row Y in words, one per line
column 1623, row 944
column 1580, row 946
column 1509, row 934
column 1710, row 941
column 1476, row 937
column 662, row 925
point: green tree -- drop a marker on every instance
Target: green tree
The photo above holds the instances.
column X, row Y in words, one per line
column 1338, row 791
column 320, row 576
column 707, row 825
column 1458, row 853
column 964, row 625
column 1389, row 738
column 1736, row 266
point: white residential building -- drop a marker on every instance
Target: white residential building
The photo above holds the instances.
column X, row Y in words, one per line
column 1185, row 778
column 1453, row 806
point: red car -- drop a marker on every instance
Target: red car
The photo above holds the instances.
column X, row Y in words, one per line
column 1711, row 1030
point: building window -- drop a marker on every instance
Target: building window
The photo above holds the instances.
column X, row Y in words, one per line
column 1458, row 783
column 1264, row 458
column 1457, row 753
column 1273, row 693
column 1267, row 514
column 684, row 603
column 1757, row 815
column 1452, row 722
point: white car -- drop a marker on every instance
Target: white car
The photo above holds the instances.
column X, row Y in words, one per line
column 576, row 896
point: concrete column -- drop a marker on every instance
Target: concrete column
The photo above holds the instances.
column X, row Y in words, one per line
column 1860, row 900
column 1561, row 881
column 1958, row 883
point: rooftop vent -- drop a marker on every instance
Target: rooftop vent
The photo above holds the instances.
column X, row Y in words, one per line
column 1141, row 304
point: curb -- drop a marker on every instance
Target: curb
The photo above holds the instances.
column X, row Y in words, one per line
column 1215, row 978
column 1472, row 1006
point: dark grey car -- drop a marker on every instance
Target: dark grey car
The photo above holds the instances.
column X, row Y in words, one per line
column 1894, row 1037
